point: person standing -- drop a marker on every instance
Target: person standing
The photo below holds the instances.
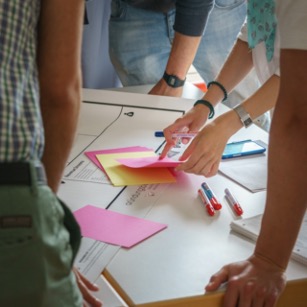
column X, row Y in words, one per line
column 260, row 279
column 40, row 87
column 151, row 40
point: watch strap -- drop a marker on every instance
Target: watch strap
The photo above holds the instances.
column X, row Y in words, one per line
column 243, row 115
column 172, row 80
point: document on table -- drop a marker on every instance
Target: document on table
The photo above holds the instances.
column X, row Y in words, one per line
column 250, row 228
column 121, row 175
column 92, row 155
column 82, row 169
column 87, row 167
column 93, row 256
column 113, row 227
column 250, row 172
column 109, row 128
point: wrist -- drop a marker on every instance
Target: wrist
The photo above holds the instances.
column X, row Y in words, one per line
column 162, row 89
column 207, row 104
column 172, row 80
column 243, row 115
column 267, row 262
column 220, row 86
column 229, row 123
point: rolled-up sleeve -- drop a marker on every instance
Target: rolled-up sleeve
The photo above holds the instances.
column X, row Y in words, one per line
column 192, row 15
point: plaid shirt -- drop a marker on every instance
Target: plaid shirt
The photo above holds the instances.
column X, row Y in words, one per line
column 21, row 131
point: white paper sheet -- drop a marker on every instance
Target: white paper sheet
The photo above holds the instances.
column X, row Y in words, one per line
column 250, row 172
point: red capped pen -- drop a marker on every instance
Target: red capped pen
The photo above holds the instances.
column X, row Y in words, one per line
column 233, row 202
column 206, row 202
column 212, row 198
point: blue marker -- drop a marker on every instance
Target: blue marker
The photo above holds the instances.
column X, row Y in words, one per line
column 176, row 135
column 159, row 134
column 213, row 200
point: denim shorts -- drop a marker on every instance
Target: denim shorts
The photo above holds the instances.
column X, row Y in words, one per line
column 38, row 242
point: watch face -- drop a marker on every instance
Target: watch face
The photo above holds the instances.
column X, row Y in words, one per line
column 171, row 81
column 244, row 116
column 248, row 122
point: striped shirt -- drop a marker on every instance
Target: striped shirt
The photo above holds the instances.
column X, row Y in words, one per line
column 21, row 130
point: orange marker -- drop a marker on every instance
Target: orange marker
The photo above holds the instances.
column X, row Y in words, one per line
column 206, row 202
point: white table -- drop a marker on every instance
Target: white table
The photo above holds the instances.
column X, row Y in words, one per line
column 176, row 263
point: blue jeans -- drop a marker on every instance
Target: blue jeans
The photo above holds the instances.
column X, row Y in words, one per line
column 97, row 69
column 140, row 42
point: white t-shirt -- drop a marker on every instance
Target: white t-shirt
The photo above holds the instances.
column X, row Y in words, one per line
column 263, row 68
column 292, row 23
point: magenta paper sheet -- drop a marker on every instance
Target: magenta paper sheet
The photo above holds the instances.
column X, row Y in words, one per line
column 115, row 228
column 148, row 162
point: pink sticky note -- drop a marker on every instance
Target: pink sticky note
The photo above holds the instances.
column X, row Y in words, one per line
column 115, row 228
column 148, row 162
column 92, row 154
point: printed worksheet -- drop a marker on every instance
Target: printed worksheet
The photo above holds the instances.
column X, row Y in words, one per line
column 116, row 126
column 101, row 127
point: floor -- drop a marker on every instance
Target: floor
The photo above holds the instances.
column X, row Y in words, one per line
column 196, row 79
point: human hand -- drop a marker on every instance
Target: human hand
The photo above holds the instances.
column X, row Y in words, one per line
column 162, row 89
column 85, row 286
column 253, row 282
column 193, row 120
column 204, row 154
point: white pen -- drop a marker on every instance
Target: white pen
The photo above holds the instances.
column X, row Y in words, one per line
column 183, row 134
column 233, row 202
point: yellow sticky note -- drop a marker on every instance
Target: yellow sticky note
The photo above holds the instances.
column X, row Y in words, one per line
column 121, row 175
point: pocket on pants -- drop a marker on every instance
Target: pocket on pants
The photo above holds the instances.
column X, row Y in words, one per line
column 73, row 228
column 118, row 9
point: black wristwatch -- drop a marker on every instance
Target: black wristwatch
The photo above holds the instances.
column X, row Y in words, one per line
column 172, row 80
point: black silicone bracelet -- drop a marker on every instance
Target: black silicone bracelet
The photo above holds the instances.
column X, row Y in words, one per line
column 207, row 104
column 221, row 87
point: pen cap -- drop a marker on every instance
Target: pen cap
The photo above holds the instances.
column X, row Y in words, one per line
column 159, row 134
column 230, row 196
column 213, row 200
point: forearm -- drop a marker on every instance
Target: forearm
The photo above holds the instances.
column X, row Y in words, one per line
column 181, row 57
column 264, row 99
column 182, row 54
column 59, row 56
column 287, row 180
column 238, row 64
column 60, row 121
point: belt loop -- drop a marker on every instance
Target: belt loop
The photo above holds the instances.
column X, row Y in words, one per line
column 35, row 167
column 33, row 178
